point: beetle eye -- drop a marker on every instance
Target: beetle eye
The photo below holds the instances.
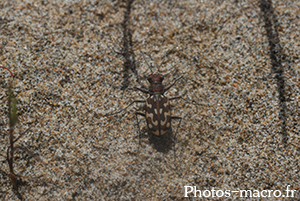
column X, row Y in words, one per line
column 162, row 78
column 149, row 79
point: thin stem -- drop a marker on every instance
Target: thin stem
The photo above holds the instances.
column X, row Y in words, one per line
column 8, row 70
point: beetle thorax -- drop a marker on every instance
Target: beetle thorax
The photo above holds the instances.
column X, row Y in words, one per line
column 156, row 88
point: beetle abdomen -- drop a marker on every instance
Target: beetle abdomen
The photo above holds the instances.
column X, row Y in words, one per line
column 158, row 114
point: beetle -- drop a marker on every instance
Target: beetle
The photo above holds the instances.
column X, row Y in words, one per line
column 157, row 110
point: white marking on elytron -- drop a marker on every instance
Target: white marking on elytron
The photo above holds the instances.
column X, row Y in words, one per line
column 160, row 110
column 168, row 125
column 162, row 132
column 155, row 110
column 150, row 126
column 148, row 105
column 155, row 123
column 156, row 97
column 156, row 132
column 166, row 114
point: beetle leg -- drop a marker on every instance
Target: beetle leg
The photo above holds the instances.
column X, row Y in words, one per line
column 142, row 90
column 168, row 87
column 136, row 101
column 179, row 118
column 138, row 124
column 176, row 97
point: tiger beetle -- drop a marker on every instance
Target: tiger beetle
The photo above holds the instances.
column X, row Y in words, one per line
column 157, row 110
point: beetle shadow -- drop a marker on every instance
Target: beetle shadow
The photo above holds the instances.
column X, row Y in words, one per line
column 163, row 143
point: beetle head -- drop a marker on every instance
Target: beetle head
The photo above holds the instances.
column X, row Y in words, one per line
column 156, row 86
column 155, row 78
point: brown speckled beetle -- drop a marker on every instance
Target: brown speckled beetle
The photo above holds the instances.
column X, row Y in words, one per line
column 157, row 109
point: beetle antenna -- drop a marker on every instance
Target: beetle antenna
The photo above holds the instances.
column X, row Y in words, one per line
column 154, row 63
column 146, row 60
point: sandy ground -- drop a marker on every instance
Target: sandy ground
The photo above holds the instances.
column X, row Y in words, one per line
column 75, row 61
